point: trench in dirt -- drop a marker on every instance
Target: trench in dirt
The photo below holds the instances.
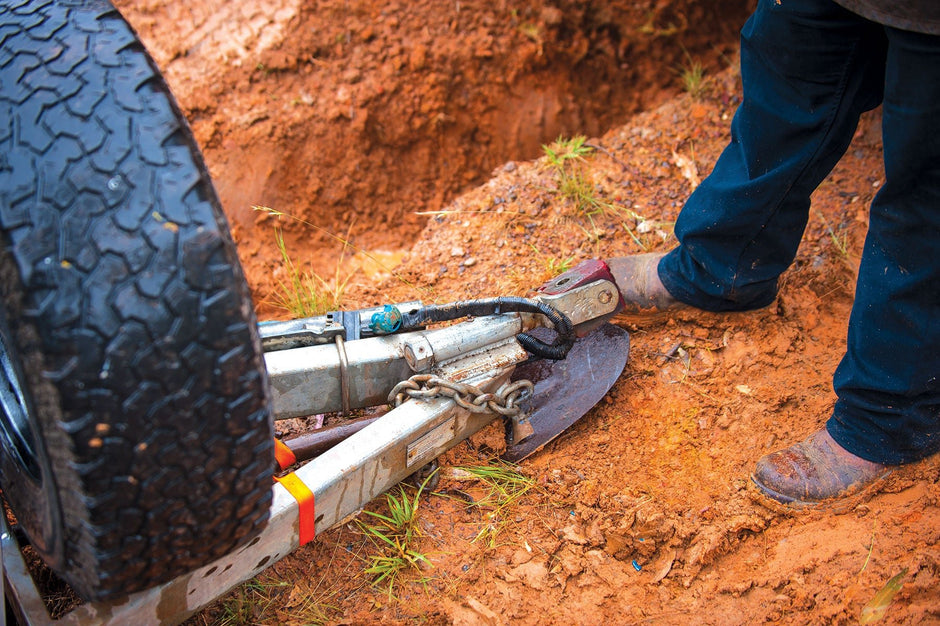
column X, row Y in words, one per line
column 390, row 160
column 356, row 118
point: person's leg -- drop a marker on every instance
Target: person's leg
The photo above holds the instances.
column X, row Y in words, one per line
column 888, row 383
column 809, row 69
column 888, row 408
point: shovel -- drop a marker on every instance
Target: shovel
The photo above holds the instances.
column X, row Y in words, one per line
column 566, row 390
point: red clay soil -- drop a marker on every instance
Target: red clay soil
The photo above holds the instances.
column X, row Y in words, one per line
column 358, row 119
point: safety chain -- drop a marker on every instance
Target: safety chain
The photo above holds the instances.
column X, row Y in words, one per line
column 504, row 401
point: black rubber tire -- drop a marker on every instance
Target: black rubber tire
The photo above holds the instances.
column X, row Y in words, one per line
column 137, row 436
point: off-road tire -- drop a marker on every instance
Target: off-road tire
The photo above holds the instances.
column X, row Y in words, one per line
column 137, row 438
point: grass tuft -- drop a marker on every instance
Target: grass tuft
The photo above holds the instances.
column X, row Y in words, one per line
column 839, row 236
column 395, row 535
column 251, row 602
column 306, row 293
column 691, row 75
column 503, row 485
column 567, row 158
column 338, row 285
column 553, row 266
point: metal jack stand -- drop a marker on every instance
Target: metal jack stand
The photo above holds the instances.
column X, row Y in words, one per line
column 327, row 364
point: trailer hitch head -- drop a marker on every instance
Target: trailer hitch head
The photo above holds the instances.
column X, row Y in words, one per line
column 587, row 293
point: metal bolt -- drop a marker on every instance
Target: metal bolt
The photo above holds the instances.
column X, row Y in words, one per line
column 605, row 296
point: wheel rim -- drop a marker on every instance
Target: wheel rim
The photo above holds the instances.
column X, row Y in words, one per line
column 15, row 434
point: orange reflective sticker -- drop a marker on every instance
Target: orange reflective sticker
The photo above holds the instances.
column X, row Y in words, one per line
column 305, row 500
column 283, row 455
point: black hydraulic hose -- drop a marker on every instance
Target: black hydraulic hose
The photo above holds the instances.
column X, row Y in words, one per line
column 555, row 351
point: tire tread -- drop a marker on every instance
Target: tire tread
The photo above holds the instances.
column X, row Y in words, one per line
column 131, row 279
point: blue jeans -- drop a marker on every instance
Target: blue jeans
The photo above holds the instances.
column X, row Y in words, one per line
column 809, row 69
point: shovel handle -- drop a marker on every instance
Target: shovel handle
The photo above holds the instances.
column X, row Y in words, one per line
column 314, row 443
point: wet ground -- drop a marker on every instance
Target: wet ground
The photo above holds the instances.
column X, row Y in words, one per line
column 403, row 145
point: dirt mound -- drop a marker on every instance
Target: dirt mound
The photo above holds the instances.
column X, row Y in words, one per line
column 646, row 513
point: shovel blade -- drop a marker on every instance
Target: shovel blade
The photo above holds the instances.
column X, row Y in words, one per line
column 565, row 390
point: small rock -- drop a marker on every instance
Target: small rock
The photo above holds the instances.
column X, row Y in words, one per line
column 520, row 556
column 552, row 16
column 418, row 57
column 533, row 573
column 572, row 534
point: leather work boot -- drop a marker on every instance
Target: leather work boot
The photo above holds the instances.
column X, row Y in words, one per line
column 814, row 470
column 638, row 281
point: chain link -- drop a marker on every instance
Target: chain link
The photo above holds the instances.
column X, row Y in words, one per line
column 505, row 401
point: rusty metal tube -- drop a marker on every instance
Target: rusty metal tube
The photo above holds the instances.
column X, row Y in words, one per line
column 316, row 442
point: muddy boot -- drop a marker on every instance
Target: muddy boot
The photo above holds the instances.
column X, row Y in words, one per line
column 643, row 292
column 814, row 470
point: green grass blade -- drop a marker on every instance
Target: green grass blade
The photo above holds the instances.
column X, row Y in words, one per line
column 877, row 607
